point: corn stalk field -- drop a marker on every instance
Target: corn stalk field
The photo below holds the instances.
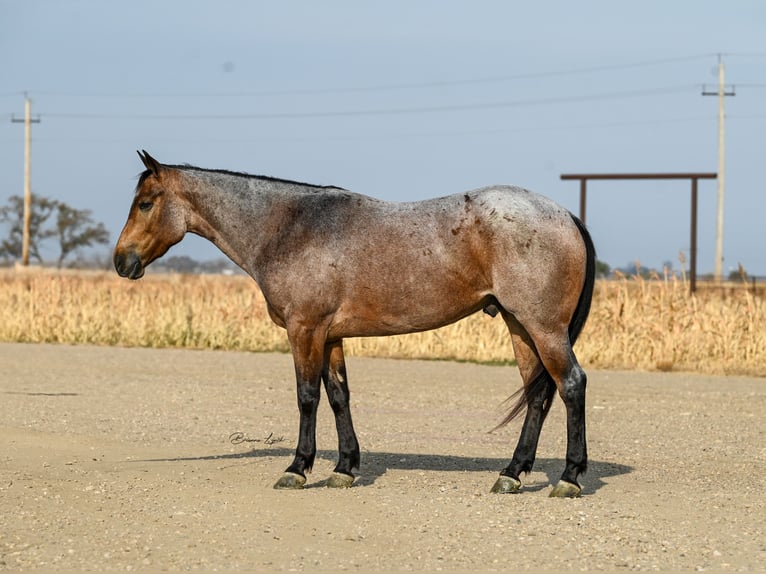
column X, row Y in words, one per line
column 635, row 323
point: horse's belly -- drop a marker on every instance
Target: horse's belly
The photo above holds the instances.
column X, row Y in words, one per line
column 372, row 320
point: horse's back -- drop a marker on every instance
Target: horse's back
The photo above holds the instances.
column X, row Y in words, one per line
column 490, row 231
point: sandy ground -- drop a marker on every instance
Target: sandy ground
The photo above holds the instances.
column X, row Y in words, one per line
column 121, row 459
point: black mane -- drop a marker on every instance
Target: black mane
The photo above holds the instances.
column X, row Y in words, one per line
column 185, row 167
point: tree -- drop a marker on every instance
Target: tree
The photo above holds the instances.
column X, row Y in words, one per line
column 180, row 264
column 75, row 229
column 636, row 269
column 13, row 214
column 602, row 269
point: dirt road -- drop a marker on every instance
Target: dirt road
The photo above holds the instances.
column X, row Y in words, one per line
column 121, row 459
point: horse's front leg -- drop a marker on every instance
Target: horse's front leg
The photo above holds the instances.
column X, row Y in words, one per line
column 307, row 342
column 336, row 385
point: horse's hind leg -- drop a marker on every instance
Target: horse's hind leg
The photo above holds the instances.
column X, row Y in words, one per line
column 559, row 360
column 538, row 393
column 336, row 385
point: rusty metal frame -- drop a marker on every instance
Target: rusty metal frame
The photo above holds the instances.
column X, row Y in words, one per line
column 693, row 177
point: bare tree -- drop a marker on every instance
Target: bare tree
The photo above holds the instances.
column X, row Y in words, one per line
column 13, row 215
column 76, row 229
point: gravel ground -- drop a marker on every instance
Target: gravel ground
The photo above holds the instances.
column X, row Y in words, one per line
column 121, row 459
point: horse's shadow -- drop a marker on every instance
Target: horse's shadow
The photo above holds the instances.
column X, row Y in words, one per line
column 376, row 464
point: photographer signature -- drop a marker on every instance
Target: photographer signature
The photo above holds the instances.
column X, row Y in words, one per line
column 240, row 437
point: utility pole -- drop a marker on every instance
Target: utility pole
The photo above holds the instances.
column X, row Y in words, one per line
column 28, row 121
column 721, row 93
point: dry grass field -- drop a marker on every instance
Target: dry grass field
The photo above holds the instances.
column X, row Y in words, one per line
column 634, row 324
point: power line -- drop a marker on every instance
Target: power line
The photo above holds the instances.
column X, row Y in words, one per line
column 380, row 111
column 745, row 54
column 394, row 135
column 393, row 86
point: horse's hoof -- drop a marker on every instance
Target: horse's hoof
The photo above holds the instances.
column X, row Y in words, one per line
column 290, row 481
column 340, row 480
column 565, row 489
column 506, row 485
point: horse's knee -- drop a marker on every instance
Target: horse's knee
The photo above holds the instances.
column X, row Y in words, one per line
column 308, row 398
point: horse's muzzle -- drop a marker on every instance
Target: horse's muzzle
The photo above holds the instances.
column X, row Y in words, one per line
column 128, row 265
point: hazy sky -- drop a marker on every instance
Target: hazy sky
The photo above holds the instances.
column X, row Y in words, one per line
column 401, row 100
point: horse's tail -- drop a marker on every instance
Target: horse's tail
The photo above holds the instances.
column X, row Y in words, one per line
column 586, row 295
column 542, row 387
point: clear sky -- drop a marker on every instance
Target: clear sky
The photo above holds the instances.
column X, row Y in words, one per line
column 401, row 100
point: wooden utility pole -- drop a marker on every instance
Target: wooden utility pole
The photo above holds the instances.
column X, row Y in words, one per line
column 28, row 121
column 721, row 93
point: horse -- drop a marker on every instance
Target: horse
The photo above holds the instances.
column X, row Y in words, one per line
column 333, row 264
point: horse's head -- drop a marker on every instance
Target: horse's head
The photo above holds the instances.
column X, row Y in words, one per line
column 156, row 222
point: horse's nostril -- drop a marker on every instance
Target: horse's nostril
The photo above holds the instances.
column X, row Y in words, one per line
column 136, row 270
column 128, row 265
column 119, row 264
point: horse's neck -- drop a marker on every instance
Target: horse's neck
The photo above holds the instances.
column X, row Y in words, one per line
column 225, row 210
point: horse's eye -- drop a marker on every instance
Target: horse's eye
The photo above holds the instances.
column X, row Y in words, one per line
column 145, row 206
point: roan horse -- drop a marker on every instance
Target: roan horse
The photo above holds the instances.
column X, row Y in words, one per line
column 334, row 264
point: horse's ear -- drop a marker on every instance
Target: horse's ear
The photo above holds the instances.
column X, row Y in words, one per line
column 149, row 162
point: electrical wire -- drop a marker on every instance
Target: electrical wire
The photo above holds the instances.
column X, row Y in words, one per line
column 380, row 111
column 391, row 87
column 403, row 135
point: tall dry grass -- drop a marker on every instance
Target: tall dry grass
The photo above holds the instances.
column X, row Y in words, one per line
column 158, row 311
column 634, row 324
column 645, row 324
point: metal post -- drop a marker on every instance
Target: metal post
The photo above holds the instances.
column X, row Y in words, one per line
column 693, row 243
column 693, row 176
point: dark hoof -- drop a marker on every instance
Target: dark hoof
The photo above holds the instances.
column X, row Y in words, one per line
column 340, row 480
column 506, row 485
column 566, row 489
column 290, row 481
